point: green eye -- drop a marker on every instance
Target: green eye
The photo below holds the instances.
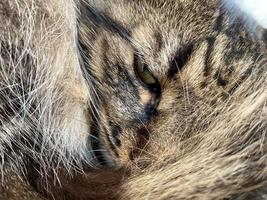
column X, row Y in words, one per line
column 144, row 74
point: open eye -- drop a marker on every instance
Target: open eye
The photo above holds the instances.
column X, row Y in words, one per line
column 145, row 75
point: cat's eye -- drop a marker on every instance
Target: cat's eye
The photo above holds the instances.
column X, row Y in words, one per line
column 144, row 74
column 146, row 77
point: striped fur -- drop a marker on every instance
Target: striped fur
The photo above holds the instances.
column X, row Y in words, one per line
column 78, row 122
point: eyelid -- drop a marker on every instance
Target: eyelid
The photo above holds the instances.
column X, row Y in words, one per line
column 146, row 77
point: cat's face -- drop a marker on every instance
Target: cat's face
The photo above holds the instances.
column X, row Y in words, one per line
column 133, row 54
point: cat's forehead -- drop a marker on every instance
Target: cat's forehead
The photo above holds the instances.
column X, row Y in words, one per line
column 158, row 29
column 158, row 47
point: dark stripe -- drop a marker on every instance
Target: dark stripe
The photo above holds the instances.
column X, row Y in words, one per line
column 159, row 41
column 103, row 20
column 143, row 138
column 94, row 139
column 233, row 30
column 116, row 132
column 219, row 79
column 208, row 58
column 219, row 21
column 151, row 107
column 179, row 60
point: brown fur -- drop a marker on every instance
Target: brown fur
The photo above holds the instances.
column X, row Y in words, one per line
column 202, row 137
